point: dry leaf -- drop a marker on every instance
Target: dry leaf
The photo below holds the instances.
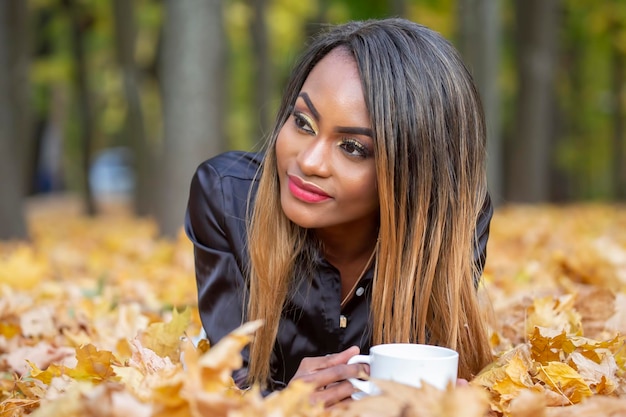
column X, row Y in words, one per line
column 93, row 310
column 528, row 404
column 564, row 380
column 164, row 338
column 42, row 355
column 427, row 401
column 592, row 407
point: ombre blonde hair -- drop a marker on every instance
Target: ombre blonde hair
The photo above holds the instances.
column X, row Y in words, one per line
column 429, row 132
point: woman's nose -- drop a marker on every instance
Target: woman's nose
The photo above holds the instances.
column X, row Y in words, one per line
column 314, row 159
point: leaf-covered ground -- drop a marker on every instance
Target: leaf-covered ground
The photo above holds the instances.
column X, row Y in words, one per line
column 96, row 318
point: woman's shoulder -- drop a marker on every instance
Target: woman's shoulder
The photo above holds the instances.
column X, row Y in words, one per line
column 235, row 164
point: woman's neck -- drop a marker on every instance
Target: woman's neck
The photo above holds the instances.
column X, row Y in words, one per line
column 351, row 252
column 343, row 247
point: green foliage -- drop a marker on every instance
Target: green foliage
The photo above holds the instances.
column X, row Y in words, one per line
column 53, row 72
column 591, row 32
column 289, row 25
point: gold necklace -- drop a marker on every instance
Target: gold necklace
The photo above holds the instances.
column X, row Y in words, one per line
column 367, row 264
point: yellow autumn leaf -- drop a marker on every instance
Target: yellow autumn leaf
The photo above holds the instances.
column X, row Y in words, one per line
column 18, row 406
column 427, row 401
column 208, row 387
column 93, row 364
column 555, row 313
column 46, row 376
column 620, row 359
column 164, row 338
column 517, row 379
column 226, row 354
column 22, row 268
column 554, row 280
column 601, row 376
column 546, row 349
column 585, row 344
column 212, row 370
column 134, row 380
column 9, row 330
column 493, row 373
column 528, row 403
column 292, row 401
column 166, row 389
column 518, row 370
column 30, row 389
column 515, row 366
column 564, row 380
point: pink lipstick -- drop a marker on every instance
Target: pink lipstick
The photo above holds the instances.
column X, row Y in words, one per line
column 307, row 192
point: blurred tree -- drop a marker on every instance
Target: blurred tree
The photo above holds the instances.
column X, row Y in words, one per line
column 531, row 147
column 590, row 153
column 617, row 31
column 14, row 115
column 144, row 155
column 479, row 42
column 574, row 104
column 80, row 22
column 262, row 66
column 264, row 36
column 193, row 75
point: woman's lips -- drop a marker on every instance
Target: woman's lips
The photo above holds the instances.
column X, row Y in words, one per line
column 307, row 192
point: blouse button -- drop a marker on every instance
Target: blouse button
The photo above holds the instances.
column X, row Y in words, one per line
column 360, row 291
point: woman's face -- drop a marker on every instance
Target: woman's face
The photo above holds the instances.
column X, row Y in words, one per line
column 325, row 151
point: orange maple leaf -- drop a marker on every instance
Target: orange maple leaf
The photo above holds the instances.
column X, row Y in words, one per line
column 93, row 364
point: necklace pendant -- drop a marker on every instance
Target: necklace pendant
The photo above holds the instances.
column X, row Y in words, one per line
column 343, row 322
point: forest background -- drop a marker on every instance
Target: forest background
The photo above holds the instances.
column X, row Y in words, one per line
column 124, row 98
column 106, row 102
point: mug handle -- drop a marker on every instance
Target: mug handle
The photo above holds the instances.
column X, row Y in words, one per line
column 365, row 386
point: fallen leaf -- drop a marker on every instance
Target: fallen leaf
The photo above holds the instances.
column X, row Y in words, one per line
column 564, row 380
column 164, row 338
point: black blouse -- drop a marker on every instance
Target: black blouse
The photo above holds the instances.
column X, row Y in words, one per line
column 312, row 323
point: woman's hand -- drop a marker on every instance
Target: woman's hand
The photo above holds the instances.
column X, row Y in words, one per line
column 460, row 382
column 329, row 375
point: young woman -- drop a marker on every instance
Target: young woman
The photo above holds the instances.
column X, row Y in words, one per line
column 364, row 222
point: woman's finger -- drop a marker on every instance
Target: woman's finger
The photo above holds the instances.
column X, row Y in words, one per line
column 333, row 394
column 337, row 373
column 314, row 364
column 341, row 357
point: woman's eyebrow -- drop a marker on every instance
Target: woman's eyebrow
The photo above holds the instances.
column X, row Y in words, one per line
column 339, row 129
column 355, row 130
column 310, row 105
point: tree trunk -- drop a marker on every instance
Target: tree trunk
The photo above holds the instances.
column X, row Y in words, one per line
column 14, row 134
column 262, row 75
column 144, row 155
column 619, row 113
column 192, row 80
column 79, row 25
column 480, row 46
column 537, row 28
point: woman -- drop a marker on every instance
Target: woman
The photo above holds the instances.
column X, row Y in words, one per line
column 368, row 220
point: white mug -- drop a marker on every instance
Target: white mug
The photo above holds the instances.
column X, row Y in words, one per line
column 409, row 364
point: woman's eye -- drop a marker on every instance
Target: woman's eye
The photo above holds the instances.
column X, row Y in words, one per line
column 354, row 148
column 302, row 123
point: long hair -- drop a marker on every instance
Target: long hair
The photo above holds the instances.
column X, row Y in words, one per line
column 429, row 132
